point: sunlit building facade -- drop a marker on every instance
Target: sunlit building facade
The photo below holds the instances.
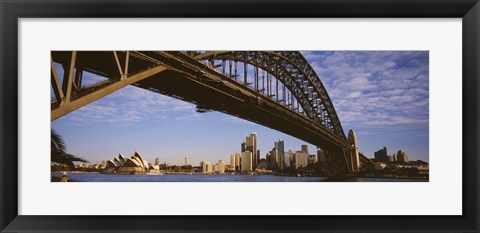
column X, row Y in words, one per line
column 247, row 163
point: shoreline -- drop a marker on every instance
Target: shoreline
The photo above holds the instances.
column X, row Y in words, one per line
column 236, row 174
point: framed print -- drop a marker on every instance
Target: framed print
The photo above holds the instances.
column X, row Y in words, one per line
column 198, row 116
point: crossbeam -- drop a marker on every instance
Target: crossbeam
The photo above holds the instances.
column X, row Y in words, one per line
column 78, row 103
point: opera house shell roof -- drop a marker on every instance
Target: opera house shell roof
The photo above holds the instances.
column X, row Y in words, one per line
column 133, row 165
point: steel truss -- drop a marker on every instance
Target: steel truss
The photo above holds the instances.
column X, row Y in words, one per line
column 294, row 72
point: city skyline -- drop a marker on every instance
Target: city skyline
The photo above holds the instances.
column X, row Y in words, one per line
column 134, row 119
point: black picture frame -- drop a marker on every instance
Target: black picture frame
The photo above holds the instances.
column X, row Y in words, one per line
column 11, row 11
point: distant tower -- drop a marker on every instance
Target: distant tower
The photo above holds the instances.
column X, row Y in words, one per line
column 280, row 148
column 381, row 155
column 354, row 157
column 243, row 147
column 221, row 166
column 291, row 158
column 251, row 145
column 157, row 161
column 305, row 149
column 235, row 161
column 187, row 160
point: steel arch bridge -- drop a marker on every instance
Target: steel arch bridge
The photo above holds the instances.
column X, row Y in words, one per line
column 278, row 89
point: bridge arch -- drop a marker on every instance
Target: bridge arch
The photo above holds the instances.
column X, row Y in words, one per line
column 294, row 71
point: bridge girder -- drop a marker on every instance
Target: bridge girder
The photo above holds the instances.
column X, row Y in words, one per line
column 294, row 71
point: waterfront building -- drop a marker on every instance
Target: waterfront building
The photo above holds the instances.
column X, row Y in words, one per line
column 209, row 167
column 104, row 163
column 381, row 155
column 235, row 161
column 133, row 165
column 280, row 148
column 157, row 161
column 301, row 159
column 215, row 167
column 289, row 158
column 187, row 160
column 221, row 166
column 247, row 163
column 206, row 167
column 402, row 156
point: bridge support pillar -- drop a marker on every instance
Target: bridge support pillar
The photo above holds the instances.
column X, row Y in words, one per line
column 355, row 159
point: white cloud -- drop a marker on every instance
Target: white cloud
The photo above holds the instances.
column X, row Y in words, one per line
column 376, row 91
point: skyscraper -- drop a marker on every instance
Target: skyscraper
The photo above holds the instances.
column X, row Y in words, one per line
column 280, row 148
column 206, row 167
column 235, row 161
column 187, row 160
column 247, row 165
column 258, row 157
column 289, row 159
column 221, row 166
column 322, row 158
column 273, row 157
column 301, row 159
column 305, row 149
column 157, row 161
column 381, row 155
column 243, row 148
column 251, row 145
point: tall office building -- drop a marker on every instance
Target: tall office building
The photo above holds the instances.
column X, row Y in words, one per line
column 301, row 159
column 187, row 160
column 243, row 148
column 207, row 167
column 280, row 148
column 215, row 167
column 273, row 157
column 258, row 157
column 157, row 161
column 251, row 145
column 321, row 157
column 247, row 163
column 289, row 159
column 221, row 166
column 235, row 161
column 305, row 149
column 381, row 155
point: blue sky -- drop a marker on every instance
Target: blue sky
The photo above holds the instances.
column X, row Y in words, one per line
column 382, row 95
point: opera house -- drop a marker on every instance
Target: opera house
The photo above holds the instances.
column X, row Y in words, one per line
column 121, row 165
